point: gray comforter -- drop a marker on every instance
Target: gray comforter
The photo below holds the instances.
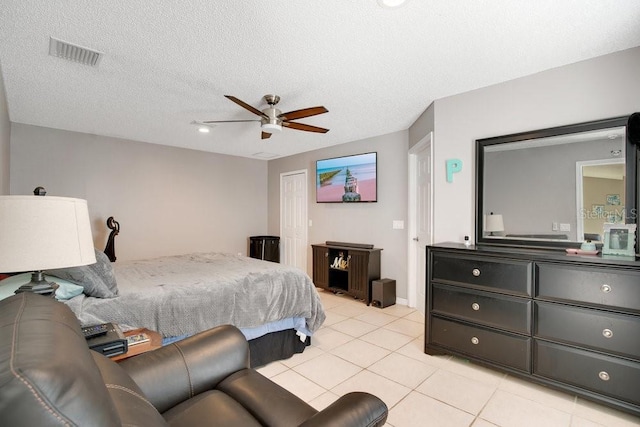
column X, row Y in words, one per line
column 186, row 294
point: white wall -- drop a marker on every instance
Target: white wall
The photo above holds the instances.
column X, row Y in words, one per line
column 599, row 88
column 168, row 200
column 356, row 222
column 5, row 137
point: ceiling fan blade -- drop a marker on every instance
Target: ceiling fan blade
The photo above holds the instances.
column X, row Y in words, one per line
column 246, row 106
column 301, row 114
column 226, row 121
column 266, row 135
column 302, row 126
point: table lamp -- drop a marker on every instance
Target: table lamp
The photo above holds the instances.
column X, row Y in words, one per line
column 42, row 232
column 494, row 224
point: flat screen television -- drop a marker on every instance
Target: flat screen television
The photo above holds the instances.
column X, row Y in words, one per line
column 347, row 179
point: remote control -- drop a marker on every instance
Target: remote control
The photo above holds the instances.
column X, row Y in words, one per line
column 95, row 330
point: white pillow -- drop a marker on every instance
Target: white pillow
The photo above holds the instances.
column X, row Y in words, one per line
column 65, row 291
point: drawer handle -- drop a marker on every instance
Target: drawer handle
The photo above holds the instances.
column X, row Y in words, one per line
column 475, row 340
column 475, row 272
column 475, row 306
column 607, row 333
column 605, row 288
column 603, row 376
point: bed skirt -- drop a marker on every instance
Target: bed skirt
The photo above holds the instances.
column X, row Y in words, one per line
column 275, row 346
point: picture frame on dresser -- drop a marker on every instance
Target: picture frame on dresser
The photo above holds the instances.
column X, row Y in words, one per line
column 619, row 239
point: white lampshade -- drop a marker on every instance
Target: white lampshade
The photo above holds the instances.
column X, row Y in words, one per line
column 494, row 223
column 44, row 232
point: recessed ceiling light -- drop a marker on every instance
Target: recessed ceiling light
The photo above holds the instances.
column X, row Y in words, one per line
column 390, row 4
column 203, row 129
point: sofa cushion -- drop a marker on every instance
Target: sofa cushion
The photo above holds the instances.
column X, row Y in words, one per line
column 130, row 403
column 211, row 408
column 38, row 385
column 270, row 405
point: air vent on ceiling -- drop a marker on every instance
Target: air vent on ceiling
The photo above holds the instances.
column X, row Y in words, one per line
column 72, row 52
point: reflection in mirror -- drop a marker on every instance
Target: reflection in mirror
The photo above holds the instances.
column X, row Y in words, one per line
column 600, row 196
column 556, row 187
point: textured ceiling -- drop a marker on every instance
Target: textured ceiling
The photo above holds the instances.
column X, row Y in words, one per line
column 167, row 63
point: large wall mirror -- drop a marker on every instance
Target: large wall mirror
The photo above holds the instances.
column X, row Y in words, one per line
column 556, row 187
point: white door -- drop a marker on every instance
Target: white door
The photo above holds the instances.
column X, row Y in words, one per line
column 421, row 219
column 293, row 219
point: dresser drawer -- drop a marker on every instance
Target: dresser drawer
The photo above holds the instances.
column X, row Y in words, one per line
column 608, row 332
column 501, row 348
column 618, row 378
column 490, row 309
column 510, row 276
column 602, row 287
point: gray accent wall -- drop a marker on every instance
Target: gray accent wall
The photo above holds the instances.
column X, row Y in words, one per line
column 356, row 222
column 168, row 200
column 518, row 185
column 5, row 139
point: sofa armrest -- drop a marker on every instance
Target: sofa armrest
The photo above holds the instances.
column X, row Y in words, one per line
column 181, row 370
column 352, row 409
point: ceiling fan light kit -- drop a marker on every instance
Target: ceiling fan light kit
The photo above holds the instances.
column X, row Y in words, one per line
column 272, row 119
column 271, row 127
column 391, row 4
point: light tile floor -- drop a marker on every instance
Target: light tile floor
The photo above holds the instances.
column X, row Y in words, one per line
column 381, row 351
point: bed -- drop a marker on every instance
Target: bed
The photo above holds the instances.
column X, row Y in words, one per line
column 275, row 306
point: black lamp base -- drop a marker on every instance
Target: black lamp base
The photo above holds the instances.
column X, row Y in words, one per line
column 38, row 285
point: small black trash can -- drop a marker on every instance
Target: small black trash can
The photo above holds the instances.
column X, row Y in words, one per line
column 265, row 247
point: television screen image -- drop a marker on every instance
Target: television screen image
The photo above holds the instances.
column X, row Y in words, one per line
column 347, row 179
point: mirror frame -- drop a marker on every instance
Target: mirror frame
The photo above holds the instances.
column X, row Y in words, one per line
column 631, row 185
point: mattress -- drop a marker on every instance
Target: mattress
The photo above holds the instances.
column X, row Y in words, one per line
column 185, row 294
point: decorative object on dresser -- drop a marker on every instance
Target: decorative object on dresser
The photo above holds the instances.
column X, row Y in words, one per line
column 567, row 321
column 43, row 232
column 346, row 267
column 619, row 239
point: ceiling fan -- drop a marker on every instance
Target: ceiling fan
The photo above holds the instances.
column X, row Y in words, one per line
column 272, row 119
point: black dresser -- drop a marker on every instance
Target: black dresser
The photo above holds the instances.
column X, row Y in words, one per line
column 567, row 321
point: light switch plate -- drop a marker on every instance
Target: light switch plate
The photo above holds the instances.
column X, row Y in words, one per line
column 398, row 224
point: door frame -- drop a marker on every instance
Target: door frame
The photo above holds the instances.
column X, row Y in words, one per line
column 580, row 188
column 306, row 211
column 426, row 143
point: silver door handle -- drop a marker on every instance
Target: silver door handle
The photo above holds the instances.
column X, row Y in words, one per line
column 416, row 239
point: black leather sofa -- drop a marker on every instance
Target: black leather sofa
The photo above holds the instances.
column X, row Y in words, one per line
column 49, row 377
